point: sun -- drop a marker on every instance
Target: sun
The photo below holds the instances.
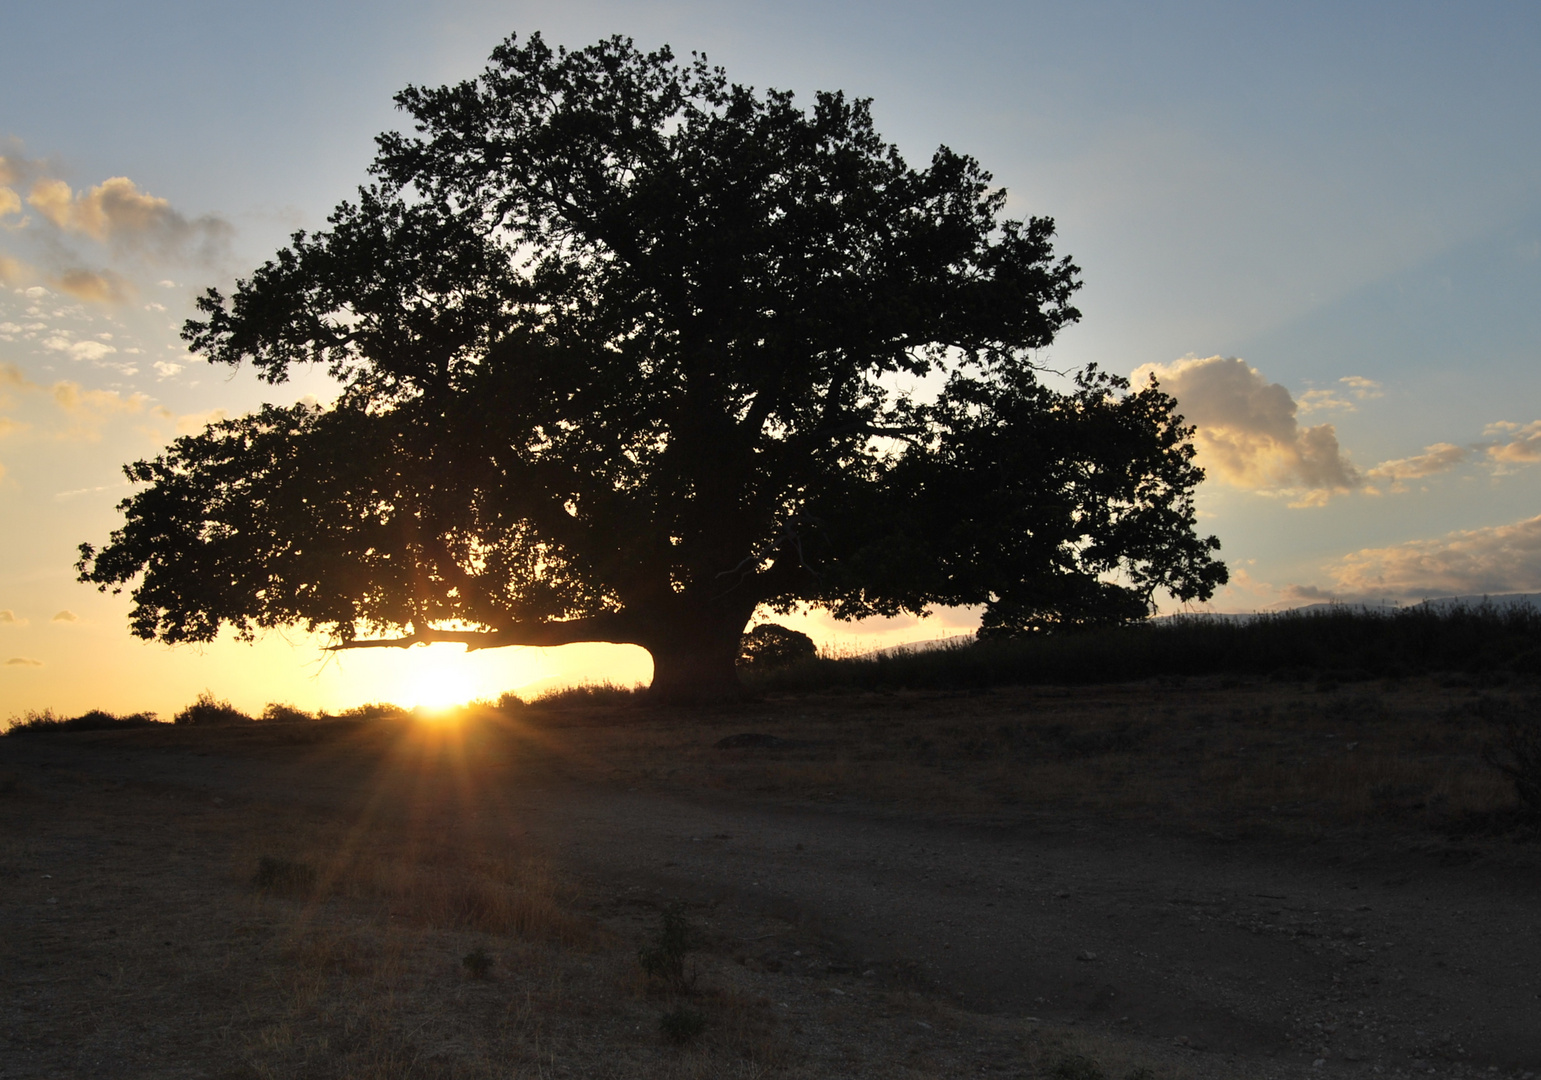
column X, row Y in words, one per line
column 437, row 678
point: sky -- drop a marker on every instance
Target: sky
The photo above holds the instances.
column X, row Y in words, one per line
column 1318, row 225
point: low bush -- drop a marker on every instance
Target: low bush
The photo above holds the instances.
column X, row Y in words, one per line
column 278, row 711
column 210, row 710
column 478, row 963
column 34, row 723
column 663, row 959
column 284, row 877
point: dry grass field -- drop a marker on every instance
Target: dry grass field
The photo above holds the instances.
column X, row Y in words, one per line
column 363, row 900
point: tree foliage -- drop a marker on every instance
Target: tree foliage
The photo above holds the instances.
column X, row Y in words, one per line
column 622, row 349
column 771, row 645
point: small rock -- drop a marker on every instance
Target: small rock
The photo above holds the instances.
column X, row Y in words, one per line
column 1088, row 955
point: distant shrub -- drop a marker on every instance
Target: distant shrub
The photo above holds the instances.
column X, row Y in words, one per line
column 210, row 710
column 478, row 963
column 510, row 702
column 771, row 645
column 33, row 723
column 601, row 693
column 278, row 711
column 284, row 877
column 374, row 710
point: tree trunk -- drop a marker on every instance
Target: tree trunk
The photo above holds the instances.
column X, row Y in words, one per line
column 695, row 661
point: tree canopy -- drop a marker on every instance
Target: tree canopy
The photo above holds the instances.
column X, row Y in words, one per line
column 627, row 351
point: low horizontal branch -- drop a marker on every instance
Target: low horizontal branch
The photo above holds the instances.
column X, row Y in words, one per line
column 611, row 630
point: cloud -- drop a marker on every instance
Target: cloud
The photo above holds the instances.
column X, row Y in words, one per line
column 1247, row 434
column 72, row 399
column 10, row 202
column 1498, row 559
column 95, row 286
column 1323, row 401
column 65, row 616
column 1356, row 386
column 79, row 350
column 13, row 271
column 8, row 618
column 23, row 661
column 1438, row 458
column 116, row 212
column 1522, row 444
column 1360, row 387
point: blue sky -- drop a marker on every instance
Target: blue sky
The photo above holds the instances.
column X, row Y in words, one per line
column 1319, row 224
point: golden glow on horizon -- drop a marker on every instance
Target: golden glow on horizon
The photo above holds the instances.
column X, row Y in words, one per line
column 437, row 678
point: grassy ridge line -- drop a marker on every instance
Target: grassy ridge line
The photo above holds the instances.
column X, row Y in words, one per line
column 1336, row 643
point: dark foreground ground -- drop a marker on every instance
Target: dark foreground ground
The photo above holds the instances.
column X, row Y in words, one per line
column 1207, row 880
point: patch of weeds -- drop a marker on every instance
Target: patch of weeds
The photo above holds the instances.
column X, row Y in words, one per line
column 478, row 963
column 681, row 1024
column 284, row 877
column 663, row 959
column 1076, row 1067
column 1517, row 754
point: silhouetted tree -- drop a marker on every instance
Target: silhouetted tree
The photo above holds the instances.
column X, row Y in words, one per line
column 617, row 343
column 772, row 645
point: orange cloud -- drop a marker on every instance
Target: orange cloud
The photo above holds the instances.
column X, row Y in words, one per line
column 95, row 286
column 117, row 212
column 1247, row 433
column 1438, row 458
column 1498, row 559
column 1522, row 445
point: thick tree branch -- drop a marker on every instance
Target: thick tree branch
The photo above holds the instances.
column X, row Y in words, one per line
column 614, row 629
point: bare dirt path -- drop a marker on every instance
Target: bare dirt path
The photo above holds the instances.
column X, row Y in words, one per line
column 1303, row 960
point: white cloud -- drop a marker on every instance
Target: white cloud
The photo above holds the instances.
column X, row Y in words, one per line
column 79, row 350
column 166, row 369
column 1498, row 559
column 23, row 661
column 65, row 616
column 1247, row 434
column 8, row 618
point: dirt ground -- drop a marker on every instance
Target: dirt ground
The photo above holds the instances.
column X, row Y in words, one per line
column 1214, row 879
